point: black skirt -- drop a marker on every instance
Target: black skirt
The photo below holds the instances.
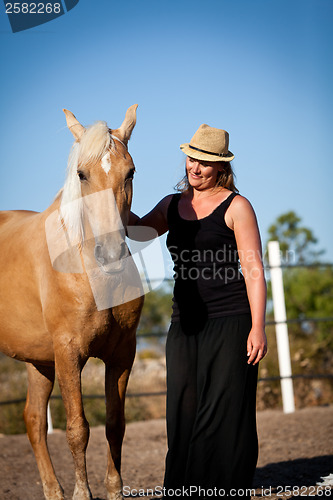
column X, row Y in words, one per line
column 211, row 410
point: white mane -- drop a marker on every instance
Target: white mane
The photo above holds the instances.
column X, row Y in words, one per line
column 93, row 145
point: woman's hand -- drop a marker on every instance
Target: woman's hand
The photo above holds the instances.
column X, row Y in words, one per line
column 256, row 345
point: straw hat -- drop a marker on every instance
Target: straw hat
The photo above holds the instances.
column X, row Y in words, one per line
column 209, row 144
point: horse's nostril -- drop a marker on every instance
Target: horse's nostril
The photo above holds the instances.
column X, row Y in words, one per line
column 98, row 250
column 98, row 254
column 123, row 250
column 110, row 254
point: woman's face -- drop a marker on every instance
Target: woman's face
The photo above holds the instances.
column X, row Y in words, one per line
column 202, row 174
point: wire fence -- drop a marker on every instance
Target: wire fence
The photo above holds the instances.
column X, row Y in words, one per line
column 163, row 334
column 163, row 393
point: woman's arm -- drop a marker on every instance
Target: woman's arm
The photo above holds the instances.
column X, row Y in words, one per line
column 156, row 218
column 244, row 224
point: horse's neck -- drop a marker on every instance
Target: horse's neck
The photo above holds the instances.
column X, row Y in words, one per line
column 55, row 205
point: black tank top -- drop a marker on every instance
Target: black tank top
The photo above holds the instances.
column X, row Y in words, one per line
column 208, row 280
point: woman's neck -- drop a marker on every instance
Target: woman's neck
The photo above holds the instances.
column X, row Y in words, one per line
column 197, row 194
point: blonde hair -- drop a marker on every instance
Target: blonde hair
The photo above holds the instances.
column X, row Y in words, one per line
column 225, row 178
column 92, row 146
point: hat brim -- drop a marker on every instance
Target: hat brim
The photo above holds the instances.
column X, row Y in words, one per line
column 198, row 155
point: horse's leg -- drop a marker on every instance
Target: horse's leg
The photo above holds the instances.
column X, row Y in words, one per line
column 40, row 385
column 116, row 378
column 68, row 370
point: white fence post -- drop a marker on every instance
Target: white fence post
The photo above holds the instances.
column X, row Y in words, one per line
column 281, row 327
column 49, row 420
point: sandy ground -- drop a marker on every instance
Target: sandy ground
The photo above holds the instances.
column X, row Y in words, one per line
column 295, row 451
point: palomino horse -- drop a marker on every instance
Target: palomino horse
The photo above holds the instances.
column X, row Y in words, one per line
column 49, row 316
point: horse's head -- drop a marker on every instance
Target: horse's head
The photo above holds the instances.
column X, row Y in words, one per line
column 97, row 194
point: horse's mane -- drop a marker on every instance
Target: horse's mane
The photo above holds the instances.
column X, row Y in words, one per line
column 91, row 148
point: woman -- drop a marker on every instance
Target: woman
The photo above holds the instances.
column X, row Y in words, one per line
column 216, row 337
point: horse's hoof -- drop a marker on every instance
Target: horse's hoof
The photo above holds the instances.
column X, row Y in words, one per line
column 81, row 493
column 53, row 493
column 117, row 495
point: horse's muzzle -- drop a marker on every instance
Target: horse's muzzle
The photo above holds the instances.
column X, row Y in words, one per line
column 111, row 258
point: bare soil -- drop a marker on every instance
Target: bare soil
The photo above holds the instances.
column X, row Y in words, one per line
column 296, row 450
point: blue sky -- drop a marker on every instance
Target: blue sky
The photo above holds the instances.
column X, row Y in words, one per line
column 261, row 69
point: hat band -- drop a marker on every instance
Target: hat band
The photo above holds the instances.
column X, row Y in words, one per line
column 222, row 155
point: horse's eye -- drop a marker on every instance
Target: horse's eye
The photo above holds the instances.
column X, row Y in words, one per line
column 130, row 175
column 81, row 175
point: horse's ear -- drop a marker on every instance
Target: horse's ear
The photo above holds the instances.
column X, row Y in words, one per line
column 74, row 126
column 126, row 128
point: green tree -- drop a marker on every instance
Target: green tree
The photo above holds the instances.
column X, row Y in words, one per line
column 308, row 290
column 157, row 310
column 297, row 242
column 155, row 320
column 308, row 287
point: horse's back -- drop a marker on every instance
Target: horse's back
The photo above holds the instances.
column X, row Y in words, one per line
column 19, row 230
column 13, row 216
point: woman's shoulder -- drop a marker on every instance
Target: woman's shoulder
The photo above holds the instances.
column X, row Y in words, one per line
column 240, row 202
column 240, row 209
column 169, row 197
column 164, row 203
column 157, row 217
